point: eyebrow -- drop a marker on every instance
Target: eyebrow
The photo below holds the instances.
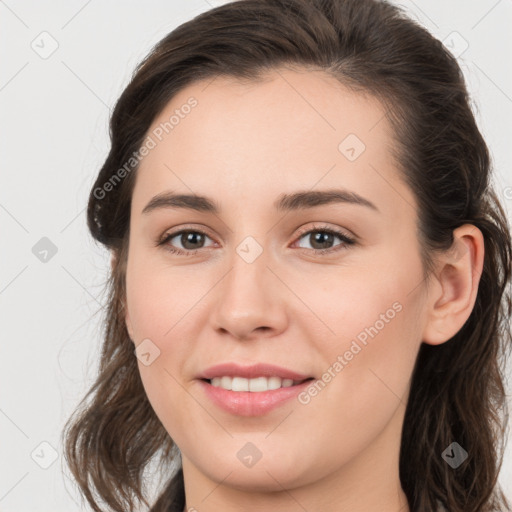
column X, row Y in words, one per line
column 285, row 202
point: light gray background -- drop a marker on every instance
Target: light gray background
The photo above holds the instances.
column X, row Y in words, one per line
column 54, row 115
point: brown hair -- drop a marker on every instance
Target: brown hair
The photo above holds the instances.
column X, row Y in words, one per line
column 457, row 388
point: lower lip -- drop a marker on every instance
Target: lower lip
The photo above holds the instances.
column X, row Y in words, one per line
column 247, row 403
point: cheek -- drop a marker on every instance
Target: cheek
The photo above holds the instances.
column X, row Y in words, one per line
column 160, row 298
column 368, row 325
column 163, row 305
column 368, row 362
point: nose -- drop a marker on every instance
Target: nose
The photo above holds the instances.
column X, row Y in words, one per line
column 251, row 301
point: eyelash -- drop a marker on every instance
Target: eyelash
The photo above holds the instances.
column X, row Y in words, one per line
column 347, row 241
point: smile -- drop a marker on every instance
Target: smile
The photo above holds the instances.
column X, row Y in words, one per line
column 251, row 403
column 254, row 385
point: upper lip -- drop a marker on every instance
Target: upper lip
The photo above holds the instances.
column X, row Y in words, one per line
column 252, row 371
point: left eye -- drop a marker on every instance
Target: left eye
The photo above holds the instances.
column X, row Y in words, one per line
column 324, row 237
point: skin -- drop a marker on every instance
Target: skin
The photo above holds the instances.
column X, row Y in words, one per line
column 244, row 145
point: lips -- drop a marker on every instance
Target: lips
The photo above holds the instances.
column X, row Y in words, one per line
column 256, row 402
column 247, row 403
column 251, row 372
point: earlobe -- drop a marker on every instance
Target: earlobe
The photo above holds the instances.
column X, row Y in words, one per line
column 453, row 297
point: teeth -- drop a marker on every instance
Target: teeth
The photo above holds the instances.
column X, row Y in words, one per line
column 255, row 385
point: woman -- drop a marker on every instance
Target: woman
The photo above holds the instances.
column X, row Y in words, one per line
column 310, row 269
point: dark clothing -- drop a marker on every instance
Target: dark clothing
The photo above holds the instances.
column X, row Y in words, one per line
column 174, row 494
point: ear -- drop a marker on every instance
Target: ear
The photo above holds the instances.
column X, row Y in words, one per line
column 454, row 288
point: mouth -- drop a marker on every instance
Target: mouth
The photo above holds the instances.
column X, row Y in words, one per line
column 251, row 390
column 256, row 396
column 255, row 384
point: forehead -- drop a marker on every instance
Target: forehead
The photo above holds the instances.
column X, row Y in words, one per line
column 288, row 130
column 280, row 106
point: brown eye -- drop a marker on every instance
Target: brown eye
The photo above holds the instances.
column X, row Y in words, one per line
column 191, row 241
column 321, row 239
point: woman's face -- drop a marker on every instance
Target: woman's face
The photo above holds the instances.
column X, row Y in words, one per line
column 269, row 285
